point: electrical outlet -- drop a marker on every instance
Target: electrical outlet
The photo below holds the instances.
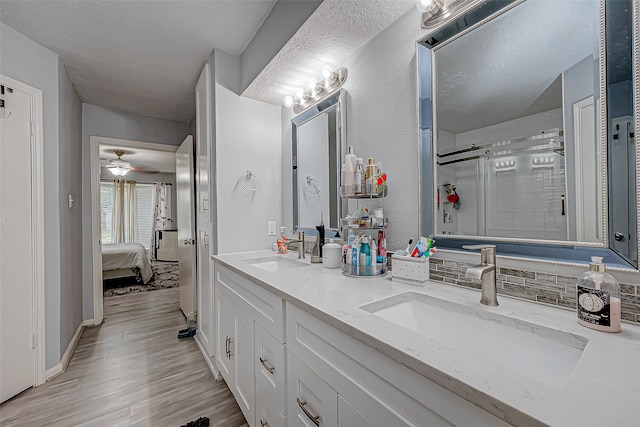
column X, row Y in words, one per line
column 272, row 228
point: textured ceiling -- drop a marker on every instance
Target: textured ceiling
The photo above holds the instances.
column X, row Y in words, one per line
column 141, row 159
column 331, row 34
column 507, row 68
column 138, row 56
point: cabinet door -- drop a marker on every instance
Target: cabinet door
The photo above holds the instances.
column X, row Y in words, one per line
column 270, row 367
column 348, row 416
column 205, row 289
column 225, row 327
column 243, row 354
column 312, row 402
column 267, row 415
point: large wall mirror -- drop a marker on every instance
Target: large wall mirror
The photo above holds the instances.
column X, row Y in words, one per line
column 527, row 112
column 318, row 138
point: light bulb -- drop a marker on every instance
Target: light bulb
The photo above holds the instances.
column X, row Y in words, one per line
column 312, row 83
column 424, row 5
column 326, row 72
column 288, row 101
column 299, row 93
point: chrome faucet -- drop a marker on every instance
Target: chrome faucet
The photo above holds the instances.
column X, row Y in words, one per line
column 486, row 272
column 300, row 242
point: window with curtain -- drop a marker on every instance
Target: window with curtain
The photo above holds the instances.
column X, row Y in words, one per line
column 138, row 221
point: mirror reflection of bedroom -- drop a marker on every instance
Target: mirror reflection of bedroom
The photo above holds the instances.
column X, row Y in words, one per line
column 138, row 220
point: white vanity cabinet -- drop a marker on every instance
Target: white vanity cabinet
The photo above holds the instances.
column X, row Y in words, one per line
column 287, row 367
column 250, row 350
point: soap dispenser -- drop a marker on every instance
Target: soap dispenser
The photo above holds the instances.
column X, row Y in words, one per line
column 598, row 298
column 316, row 254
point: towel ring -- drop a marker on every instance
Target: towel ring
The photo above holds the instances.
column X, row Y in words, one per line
column 312, row 182
column 246, row 178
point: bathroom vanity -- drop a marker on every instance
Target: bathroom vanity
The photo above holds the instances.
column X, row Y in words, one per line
column 301, row 345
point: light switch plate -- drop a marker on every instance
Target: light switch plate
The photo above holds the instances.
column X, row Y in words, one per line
column 272, row 228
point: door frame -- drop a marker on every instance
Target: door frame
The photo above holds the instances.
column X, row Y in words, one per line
column 37, row 225
column 96, row 253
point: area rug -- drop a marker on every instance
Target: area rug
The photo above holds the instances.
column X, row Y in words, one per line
column 165, row 275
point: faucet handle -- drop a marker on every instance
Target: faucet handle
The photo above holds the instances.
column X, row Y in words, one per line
column 474, row 247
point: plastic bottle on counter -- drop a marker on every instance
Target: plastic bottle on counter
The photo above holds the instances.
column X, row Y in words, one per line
column 598, row 296
column 350, row 171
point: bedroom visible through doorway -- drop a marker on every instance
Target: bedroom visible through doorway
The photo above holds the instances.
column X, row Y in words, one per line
column 137, row 215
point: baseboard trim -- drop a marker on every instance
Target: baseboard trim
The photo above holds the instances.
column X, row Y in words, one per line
column 66, row 357
column 53, row 372
column 89, row 322
column 207, row 359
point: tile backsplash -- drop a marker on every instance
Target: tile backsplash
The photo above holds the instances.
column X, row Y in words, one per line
column 546, row 288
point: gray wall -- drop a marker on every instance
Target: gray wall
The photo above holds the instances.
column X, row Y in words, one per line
column 32, row 64
column 283, row 21
column 577, row 84
column 111, row 123
column 70, row 181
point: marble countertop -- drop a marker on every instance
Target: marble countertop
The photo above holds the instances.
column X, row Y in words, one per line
column 602, row 390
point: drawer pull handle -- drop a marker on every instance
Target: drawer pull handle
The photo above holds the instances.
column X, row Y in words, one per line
column 271, row 369
column 264, row 423
column 315, row 419
column 228, row 348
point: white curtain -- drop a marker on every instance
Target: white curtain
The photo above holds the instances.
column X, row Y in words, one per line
column 160, row 210
column 124, row 211
column 131, row 207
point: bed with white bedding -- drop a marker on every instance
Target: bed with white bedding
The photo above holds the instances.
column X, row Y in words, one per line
column 126, row 259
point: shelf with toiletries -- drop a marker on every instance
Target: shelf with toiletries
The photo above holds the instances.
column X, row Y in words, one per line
column 365, row 229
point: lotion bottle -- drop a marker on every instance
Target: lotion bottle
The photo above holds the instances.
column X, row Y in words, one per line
column 350, row 166
column 598, row 298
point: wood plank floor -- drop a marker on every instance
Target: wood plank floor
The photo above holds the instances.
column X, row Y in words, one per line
column 131, row 370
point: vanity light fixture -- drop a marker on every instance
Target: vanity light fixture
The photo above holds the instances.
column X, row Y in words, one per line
column 429, row 9
column 505, row 165
column 316, row 91
column 542, row 161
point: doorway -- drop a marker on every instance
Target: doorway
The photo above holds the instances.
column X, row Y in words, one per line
column 22, row 364
column 134, row 218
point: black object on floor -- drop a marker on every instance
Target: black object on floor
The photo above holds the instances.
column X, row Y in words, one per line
column 186, row 334
column 200, row 422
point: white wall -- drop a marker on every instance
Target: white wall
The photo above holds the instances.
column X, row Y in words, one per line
column 382, row 122
column 110, row 123
column 246, row 137
column 28, row 62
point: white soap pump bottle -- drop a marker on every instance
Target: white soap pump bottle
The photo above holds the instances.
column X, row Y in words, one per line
column 598, row 298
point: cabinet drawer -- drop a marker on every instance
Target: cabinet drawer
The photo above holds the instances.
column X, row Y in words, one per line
column 348, row 416
column 267, row 415
column 389, row 393
column 268, row 308
column 311, row 401
column 270, row 366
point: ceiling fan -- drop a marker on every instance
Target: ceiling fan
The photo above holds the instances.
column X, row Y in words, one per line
column 119, row 167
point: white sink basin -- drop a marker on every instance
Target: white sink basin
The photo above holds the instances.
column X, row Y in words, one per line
column 275, row 263
column 534, row 351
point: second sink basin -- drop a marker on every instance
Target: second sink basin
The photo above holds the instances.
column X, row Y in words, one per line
column 275, row 263
column 534, row 351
